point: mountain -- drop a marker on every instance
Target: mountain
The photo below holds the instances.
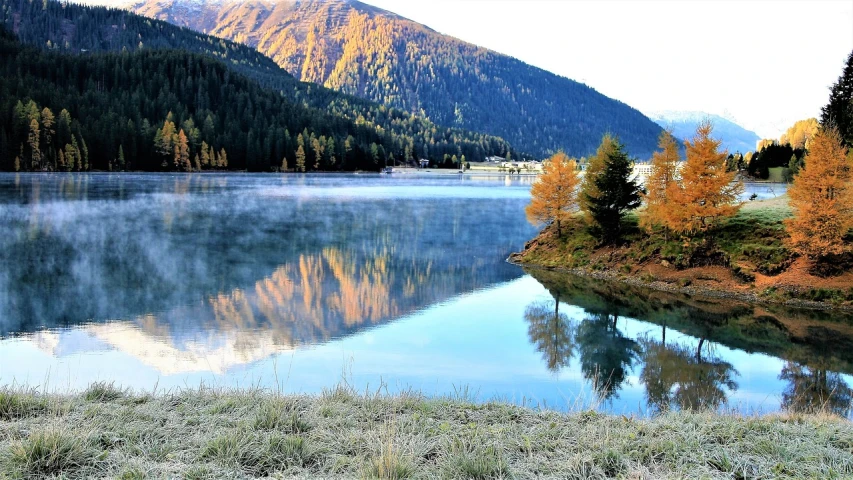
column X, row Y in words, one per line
column 86, row 30
column 159, row 110
column 683, row 124
column 374, row 54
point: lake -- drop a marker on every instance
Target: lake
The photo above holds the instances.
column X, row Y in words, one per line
column 301, row 282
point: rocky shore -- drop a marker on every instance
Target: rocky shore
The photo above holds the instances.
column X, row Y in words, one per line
column 664, row 286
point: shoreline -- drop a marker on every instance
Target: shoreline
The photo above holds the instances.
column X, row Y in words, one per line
column 105, row 431
column 662, row 286
column 400, row 171
column 748, row 261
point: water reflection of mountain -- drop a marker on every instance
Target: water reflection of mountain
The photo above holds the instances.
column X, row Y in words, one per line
column 310, row 301
column 814, row 344
column 201, row 259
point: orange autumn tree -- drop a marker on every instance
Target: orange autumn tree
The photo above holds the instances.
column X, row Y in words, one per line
column 664, row 165
column 822, row 199
column 554, row 194
column 706, row 193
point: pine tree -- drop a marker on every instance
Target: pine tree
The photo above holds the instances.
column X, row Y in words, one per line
column 554, row 195
column 223, row 158
column 5, row 152
column 664, row 165
column 822, row 199
column 121, row 163
column 48, row 129
column 209, row 129
column 616, row 194
column 594, row 167
column 838, row 113
column 374, row 153
column 205, row 155
column 330, row 153
column 707, row 193
column 20, row 122
column 33, row 144
column 63, row 127
column 317, row 148
column 84, row 154
column 72, row 155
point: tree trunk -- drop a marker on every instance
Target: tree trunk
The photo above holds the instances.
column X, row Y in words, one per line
column 699, row 350
column 557, row 305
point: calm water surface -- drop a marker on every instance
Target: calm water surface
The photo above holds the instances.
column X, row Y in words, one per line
column 301, row 282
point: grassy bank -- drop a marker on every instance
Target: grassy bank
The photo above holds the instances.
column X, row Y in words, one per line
column 107, row 432
column 749, row 259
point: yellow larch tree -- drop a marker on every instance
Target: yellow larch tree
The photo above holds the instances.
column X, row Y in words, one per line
column 764, row 143
column 664, row 169
column 554, row 195
column 800, row 134
column 182, row 153
column 822, row 199
column 706, row 192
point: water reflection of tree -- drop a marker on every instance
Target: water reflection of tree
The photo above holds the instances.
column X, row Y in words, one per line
column 814, row 343
column 813, row 389
column 679, row 376
column 606, row 355
column 552, row 332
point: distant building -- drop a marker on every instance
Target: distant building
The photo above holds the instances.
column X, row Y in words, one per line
column 534, row 166
column 641, row 171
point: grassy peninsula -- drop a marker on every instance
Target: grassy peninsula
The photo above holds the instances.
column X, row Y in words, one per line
column 106, row 432
column 749, row 260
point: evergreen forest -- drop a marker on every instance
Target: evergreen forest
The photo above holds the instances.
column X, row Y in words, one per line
column 145, row 95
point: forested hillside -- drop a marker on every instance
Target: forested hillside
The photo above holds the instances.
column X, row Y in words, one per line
column 365, row 51
column 85, row 30
column 160, row 110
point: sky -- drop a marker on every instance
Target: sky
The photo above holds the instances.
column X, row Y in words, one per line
column 764, row 64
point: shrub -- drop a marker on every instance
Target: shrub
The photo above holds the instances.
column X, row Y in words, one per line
column 15, row 405
column 281, row 415
column 102, row 392
column 477, row 463
column 258, row 455
column 50, row 452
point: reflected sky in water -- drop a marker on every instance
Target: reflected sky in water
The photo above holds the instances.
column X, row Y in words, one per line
column 301, row 282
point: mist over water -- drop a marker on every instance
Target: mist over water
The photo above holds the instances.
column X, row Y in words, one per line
column 299, row 282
